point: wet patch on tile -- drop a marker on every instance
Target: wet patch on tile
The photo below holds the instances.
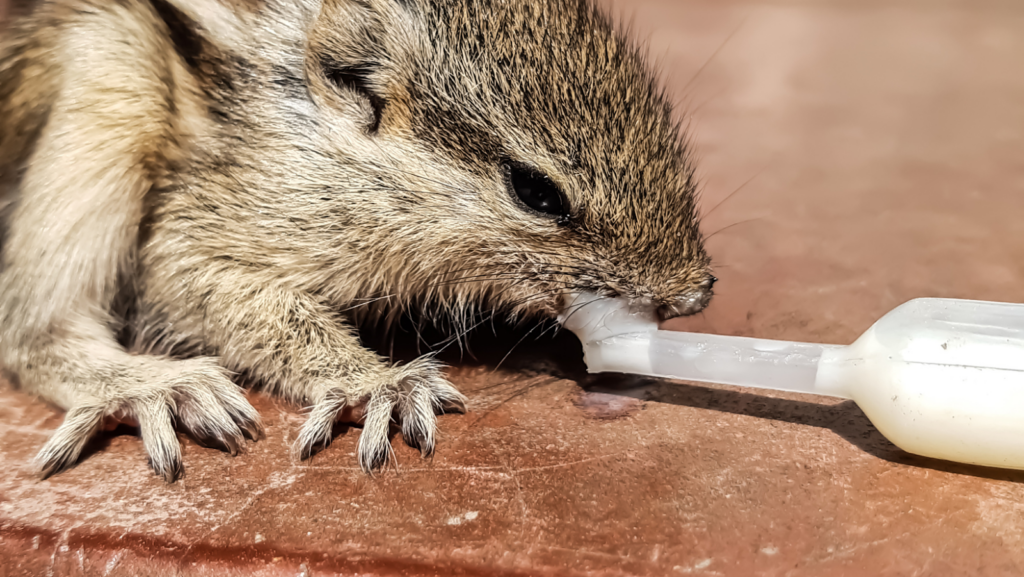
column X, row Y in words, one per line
column 605, row 406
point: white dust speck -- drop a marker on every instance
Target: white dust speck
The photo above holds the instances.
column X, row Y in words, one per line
column 281, row 480
column 770, row 550
column 112, row 563
column 259, row 538
column 468, row 516
column 700, row 566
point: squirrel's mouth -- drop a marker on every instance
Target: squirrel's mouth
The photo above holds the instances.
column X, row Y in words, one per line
column 687, row 304
column 584, row 308
column 642, row 310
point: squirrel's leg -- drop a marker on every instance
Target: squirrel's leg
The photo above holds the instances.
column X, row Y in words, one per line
column 302, row 350
column 82, row 369
column 68, row 239
column 73, row 232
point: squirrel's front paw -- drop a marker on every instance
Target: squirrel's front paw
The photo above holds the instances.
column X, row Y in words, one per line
column 155, row 393
column 415, row 392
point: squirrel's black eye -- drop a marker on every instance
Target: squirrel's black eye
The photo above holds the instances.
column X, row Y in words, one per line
column 537, row 192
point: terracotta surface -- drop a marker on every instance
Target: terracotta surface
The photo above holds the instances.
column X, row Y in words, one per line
column 882, row 147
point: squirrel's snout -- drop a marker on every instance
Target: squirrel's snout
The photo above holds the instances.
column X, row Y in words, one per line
column 689, row 303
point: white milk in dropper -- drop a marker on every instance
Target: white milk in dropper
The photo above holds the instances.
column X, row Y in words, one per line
column 942, row 378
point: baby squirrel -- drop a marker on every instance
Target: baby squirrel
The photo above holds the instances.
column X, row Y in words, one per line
column 201, row 188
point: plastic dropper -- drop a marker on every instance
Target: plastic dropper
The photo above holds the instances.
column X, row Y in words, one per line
column 941, row 378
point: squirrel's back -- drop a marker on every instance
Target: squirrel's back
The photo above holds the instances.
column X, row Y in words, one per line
column 28, row 76
column 93, row 102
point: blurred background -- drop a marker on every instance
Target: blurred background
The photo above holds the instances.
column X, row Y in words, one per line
column 854, row 154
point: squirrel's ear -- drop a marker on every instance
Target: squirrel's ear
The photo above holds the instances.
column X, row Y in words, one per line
column 365, row 26
column 215, row 20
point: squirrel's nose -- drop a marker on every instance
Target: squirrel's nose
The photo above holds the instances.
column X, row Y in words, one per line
column 688, row 303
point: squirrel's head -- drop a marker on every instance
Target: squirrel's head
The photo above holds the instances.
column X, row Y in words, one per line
column 486, row 153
